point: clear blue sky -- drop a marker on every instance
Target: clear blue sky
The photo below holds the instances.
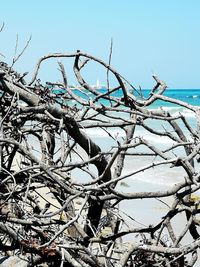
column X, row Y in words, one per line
column 150, row 36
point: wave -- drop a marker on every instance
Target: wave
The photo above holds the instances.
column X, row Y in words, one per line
column 186, row 113
column 192, row 96
column 160, row 175
column 100, row 133
column 156, row 179
column 168, row 109
column 118, row 134
column 175, row 111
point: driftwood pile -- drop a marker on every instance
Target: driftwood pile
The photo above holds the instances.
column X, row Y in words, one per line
column 59, row 195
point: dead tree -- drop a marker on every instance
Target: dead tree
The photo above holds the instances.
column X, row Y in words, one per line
column 60, row 201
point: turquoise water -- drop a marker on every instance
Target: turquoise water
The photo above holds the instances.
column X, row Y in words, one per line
column 190, row 96
column 107, row 141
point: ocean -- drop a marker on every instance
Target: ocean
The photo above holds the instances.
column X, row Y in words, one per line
column 108, row 138
column 190, row 96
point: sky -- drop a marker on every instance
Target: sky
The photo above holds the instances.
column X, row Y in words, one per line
column 159, row 37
